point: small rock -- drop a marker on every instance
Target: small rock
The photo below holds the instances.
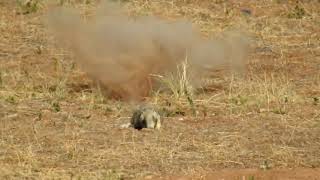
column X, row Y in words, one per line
column 12, row 116
column 127, row 125
column 246, row 11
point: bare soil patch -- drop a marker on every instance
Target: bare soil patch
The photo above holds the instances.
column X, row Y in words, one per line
column 283, row 174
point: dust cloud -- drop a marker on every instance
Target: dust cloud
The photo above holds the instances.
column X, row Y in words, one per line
column 122, row 52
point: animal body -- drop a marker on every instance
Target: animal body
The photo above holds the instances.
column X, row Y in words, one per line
column 144, row 117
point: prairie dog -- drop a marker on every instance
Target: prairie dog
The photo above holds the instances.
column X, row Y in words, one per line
column 144, row 117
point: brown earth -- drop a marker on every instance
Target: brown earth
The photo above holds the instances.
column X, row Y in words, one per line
column 251, row 174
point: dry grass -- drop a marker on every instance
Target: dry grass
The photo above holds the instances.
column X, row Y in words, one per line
column 54, row 122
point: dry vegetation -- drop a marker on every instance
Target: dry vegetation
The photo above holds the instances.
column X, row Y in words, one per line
column 54, row 122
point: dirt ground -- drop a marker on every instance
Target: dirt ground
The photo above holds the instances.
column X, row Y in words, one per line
column 257, row 174
column 55, row 123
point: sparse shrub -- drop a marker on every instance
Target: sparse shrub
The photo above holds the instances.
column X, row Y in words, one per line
column 315, row 100
column 239, row 100
column 1, row 79
column 172, row 110
column 297, row 13
column 266, row 165
column 179, row 84
column 11, row 99
column 56, row 106
column 28, row 6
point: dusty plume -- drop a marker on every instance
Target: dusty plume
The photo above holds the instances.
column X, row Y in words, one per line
column 122, row 52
